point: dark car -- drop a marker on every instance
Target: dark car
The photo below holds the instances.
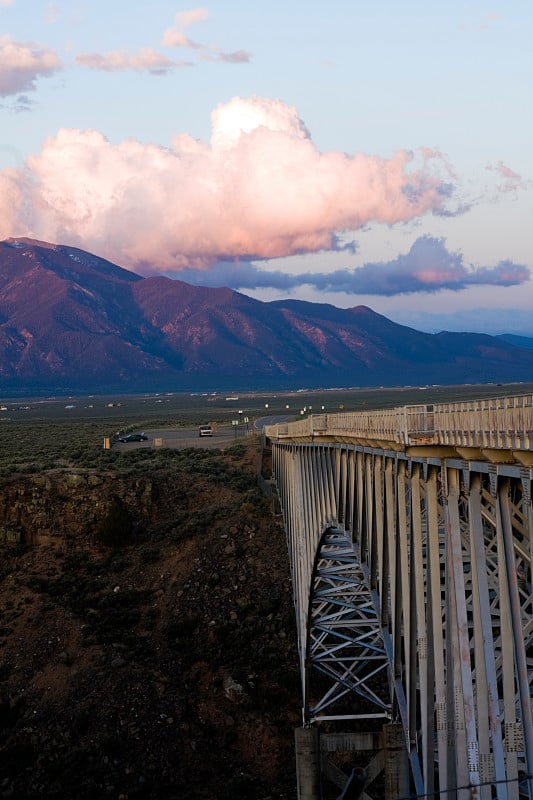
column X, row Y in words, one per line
column 134, row 437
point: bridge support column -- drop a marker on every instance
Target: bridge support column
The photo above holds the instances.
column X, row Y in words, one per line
column 307, row 763
column 396, row 762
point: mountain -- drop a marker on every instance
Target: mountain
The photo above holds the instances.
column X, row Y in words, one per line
column 519, row 341
column 70, row 321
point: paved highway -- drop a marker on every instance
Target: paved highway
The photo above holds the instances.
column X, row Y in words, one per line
column 186, row 437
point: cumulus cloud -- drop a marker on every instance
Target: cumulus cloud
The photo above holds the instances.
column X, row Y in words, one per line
column 21, row 63
column 119, row 60
column 428, row 267
column 260, row 189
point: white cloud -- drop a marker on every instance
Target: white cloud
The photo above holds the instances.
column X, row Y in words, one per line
column 21, row 63
column 260, row 189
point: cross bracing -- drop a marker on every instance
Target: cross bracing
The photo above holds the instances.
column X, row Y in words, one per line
column 345, row 642
column 412, row 574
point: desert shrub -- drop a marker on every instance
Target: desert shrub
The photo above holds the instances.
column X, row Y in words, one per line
column 116, row 529
column 149, row 554
column 239, row 785
column 236, row 451
column 192, row 523
column 180, row 629
column 116, row 616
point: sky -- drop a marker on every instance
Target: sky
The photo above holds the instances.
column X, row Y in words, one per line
column 374, row 153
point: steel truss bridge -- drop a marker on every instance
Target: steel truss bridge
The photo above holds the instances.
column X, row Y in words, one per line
column 410, row 536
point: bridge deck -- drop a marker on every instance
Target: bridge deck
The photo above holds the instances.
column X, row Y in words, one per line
column 474, row 428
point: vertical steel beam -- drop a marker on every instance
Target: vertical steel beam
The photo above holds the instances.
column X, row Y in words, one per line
column 436, row 667
column 513, row 737
column 420, row 641
column 492, row 763
column 516, row 623
column 467, row 760
column 402, row 649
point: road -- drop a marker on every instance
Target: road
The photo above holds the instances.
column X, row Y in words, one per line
column 259, row 424
column 186, row 437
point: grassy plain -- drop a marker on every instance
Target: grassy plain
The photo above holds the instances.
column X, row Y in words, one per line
column 40, row 434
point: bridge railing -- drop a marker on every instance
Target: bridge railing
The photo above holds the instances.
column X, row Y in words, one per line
column 501, row 422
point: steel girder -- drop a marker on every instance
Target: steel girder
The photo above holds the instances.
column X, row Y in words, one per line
column 434, row 556
column 344, row 637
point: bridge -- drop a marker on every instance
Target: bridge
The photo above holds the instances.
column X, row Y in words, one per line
column 410, row 536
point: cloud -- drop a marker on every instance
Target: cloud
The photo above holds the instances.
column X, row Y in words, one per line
column 21, row 63
column 184, row 19
column 119, row 61
column 52, row 13
column 511, row 181
column 6, row 2
column 260, row 189
column 238, row 57
column 175, row 36
column 427, row 267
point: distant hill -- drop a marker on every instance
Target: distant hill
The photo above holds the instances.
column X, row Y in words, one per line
column 518, row 341
column 70, row 321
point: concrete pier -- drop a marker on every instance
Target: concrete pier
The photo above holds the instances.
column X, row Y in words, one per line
column 396, row 762
column 307, row 763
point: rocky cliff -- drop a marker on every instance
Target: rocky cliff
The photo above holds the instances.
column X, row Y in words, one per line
column 147, row 641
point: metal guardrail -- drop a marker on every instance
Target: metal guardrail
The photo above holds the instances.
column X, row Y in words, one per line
column 499, row 423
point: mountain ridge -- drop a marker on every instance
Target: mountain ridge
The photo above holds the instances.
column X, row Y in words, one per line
column 71, row 321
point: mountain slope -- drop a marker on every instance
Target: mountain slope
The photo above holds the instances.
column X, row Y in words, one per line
column 70, row 321
column 519, row 341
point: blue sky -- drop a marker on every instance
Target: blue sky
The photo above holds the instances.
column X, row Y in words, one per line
column 341, row 152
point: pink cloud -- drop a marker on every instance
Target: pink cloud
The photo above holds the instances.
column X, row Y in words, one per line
column 511, row 181
column 185, row 18
column 259, row 189
column 21, row 63
column 175, row 36
column 172, row 38
column 427, row 267
column 119, row 60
